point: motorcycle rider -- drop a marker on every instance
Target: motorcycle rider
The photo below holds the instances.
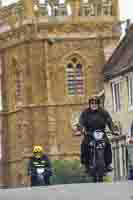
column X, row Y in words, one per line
column 39, row 159
column 95, row 118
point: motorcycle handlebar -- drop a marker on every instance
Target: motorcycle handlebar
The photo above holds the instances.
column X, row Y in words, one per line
column 107, row 132
column 112, row 133
column 81, row 131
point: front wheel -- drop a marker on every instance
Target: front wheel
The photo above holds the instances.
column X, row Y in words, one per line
column 97, row 179
column 99, row 167
column 100, row 179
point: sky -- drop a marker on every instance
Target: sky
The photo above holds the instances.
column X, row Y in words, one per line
column 126, row 8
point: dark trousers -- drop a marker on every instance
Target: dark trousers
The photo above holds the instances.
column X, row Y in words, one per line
column 85, row 153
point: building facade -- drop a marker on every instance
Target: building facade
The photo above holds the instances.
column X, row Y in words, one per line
column 52, row 58
column 118, row 85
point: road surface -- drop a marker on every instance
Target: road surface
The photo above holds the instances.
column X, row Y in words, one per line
column 90, row 191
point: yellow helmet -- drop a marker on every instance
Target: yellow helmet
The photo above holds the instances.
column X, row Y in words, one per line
column 37, row 149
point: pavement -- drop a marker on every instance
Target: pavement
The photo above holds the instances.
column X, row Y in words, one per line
column 83, row 191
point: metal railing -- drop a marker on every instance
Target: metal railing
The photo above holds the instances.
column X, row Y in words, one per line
column 119, row 151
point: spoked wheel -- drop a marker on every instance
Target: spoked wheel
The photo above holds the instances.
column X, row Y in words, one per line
column 100, row 179
column 97, row 179
column 100, row 165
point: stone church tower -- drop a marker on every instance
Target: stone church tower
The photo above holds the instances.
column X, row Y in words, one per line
column 51, row 55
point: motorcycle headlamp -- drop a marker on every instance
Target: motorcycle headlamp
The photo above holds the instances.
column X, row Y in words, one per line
column 98, row 135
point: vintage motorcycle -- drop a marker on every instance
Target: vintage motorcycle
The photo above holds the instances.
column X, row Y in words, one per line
column 41, row 176
column 97, row 163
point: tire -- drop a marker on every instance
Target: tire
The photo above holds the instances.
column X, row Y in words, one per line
column 100, row 179
column 100, row 165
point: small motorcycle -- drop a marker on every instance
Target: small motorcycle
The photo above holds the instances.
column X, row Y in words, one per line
column 97, row 163
column 40, row 173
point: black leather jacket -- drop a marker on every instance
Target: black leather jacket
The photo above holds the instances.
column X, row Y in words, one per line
column 92, row 120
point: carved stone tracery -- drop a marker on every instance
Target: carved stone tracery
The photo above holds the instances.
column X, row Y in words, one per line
column 16, row 12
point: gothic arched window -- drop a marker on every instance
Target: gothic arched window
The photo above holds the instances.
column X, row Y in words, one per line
column 75, row 77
